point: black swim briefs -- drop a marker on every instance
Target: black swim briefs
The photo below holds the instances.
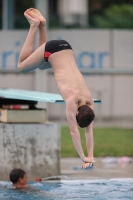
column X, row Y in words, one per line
column 53, row 46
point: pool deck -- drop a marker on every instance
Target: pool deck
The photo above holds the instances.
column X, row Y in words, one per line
column 99, row 171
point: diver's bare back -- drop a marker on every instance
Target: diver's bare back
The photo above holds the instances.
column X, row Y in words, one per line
column 68, row 78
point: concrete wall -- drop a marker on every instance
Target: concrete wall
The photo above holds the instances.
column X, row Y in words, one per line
column 32, row 147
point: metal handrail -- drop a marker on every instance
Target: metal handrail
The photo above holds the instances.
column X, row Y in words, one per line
column 12, row 71
column 109, row 71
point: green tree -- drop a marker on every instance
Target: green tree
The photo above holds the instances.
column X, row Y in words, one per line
column 116, row 16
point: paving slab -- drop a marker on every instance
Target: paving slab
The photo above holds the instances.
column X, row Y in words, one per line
column 70, row 167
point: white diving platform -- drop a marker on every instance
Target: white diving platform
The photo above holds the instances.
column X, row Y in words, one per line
column 34, row 96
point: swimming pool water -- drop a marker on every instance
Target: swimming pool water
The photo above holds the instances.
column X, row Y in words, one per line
column 72, row 189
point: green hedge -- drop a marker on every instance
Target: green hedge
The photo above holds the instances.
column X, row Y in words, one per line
column 107, row 142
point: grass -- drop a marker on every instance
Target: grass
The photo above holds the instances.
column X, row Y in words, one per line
column 107, row 142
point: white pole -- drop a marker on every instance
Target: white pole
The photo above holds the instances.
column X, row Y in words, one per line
column 41, row 75
column 5, row 15
column 8, row 14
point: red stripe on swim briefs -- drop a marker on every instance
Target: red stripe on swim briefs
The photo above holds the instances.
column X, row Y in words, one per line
column 47, row 54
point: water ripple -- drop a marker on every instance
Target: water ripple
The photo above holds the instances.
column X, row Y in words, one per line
column 72, row 190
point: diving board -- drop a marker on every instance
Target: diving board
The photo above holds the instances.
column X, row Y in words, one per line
column 34, row 96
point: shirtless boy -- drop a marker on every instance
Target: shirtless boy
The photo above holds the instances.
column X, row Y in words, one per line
column 19, row 179
column 70, row 82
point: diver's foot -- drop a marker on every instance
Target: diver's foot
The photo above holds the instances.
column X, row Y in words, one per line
column 34, row 13
column 32, row 21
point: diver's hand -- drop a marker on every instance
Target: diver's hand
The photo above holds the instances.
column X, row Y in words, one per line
column 85, row 165
column 88, row 160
